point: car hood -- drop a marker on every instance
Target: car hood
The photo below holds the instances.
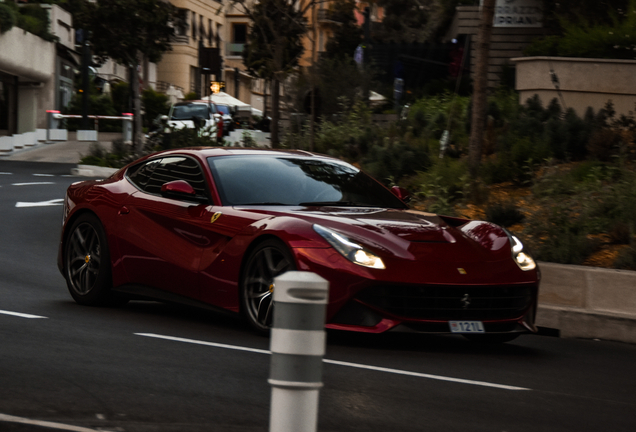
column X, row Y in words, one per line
column 405, row 232
column 408, row 225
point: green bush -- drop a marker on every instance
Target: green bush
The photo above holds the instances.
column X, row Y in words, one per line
column 626, row 259
column 8, row 18
column 120, row 94
column 505, row 214
column 97, row 105
column 444, row 184
column 560, row 235
column 155, row 104
column 615, row 40
column 396, row 161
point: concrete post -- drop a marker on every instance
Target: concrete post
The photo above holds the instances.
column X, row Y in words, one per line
column 297, row 345
column 51, row 123
column 127, row 127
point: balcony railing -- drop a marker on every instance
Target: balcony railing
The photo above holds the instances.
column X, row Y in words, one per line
column 182, row 39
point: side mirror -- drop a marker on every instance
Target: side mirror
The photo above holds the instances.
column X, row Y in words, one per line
column 401, row 193
column 180, row 190
column 164, row 118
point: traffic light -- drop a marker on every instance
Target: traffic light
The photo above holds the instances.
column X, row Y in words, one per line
column 217, row 86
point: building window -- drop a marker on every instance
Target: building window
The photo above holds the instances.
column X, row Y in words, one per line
column 239, row 38
column 194, row 26
column 210, row 32
column 181, row 30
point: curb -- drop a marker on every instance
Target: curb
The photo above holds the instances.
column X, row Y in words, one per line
column 578, row 323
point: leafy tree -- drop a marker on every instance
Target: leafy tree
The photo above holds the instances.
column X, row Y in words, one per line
column 128, row 31
column 414, row 21
column 274, row 45
column 348, row 34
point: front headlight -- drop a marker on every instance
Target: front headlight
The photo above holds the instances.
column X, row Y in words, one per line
column 350, row 250
column 523, row 260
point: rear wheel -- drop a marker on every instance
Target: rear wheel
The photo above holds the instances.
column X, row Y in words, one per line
column 270, row 259
column 492, row 338
column 87, row 263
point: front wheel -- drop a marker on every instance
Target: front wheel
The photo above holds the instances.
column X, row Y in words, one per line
column 270, row 259
column 87, row 263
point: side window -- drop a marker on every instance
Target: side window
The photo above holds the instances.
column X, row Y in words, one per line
column 139, row 175
column 149, row 177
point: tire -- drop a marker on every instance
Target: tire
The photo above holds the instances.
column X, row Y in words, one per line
column 87, row 268
column 492, row 338
column 268, row 260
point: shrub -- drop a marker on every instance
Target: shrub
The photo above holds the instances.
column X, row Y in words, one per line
column 615, row 40
column 560, row 235
column 396, row 161
column 626, row 259
column 155, row 104
column 505, row 214
column 7, row 18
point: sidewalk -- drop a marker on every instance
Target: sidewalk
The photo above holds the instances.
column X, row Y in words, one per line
column 578, row 302
column 62, row 152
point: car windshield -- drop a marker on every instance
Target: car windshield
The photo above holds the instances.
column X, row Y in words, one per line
column 306, row 181
column 187, row 111
column 223, row 109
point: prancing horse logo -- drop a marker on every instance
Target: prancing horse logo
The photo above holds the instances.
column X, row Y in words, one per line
column 465, row 301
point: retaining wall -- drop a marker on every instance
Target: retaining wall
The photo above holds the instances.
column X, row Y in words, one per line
column 588, row 302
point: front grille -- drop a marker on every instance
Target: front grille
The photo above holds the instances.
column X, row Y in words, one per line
column 450, row 302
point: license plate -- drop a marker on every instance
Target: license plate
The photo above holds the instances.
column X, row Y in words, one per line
column 466, row 327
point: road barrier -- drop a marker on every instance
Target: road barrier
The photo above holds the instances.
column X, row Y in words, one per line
column 54, row 118
column 298, row 346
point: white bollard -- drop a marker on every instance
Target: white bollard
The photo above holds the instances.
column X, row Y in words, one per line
column 298, row 346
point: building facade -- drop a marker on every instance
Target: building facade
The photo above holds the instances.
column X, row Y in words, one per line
column 204, row 28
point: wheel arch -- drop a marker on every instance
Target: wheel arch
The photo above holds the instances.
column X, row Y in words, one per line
column 254, row 244
column 67, row 225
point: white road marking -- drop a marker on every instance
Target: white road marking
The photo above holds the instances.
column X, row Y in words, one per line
column 53, row 202
column 46, row 424
column 21, row 315
column 4, row 173
column 43, row 175
column 340, row 363
column 32, row 183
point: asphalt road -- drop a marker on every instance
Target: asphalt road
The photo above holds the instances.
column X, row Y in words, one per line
column 156, row 367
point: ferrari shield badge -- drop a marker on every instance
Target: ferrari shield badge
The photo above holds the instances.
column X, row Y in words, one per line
column 215, row 216
column 461, row 270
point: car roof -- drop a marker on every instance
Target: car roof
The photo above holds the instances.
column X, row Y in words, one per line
column 205, row 152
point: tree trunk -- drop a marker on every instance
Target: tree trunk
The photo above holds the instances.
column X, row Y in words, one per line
column 480, row 87
column 275, row 112
column 312, row 78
